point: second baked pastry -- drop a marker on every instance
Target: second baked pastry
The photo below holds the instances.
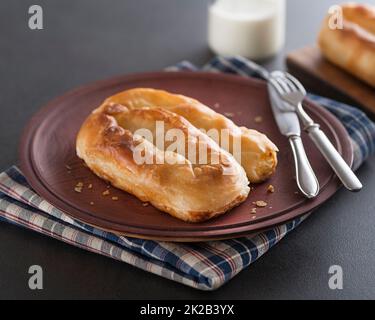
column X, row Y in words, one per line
column 352, row 47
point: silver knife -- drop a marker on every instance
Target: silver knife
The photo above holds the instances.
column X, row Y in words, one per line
column 289, row 126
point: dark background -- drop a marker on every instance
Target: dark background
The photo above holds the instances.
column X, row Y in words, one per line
column 86, row 40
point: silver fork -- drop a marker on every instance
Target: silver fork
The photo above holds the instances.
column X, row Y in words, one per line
column 293, row 92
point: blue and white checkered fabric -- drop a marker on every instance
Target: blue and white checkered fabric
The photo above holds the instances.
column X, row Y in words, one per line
column 204, row 266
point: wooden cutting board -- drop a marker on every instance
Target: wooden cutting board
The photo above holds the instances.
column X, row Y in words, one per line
column 323, row 78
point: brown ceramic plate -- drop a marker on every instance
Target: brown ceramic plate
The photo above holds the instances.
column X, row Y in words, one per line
column 49, row 162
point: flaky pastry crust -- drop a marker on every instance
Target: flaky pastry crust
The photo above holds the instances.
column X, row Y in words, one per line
column 183, row 188
column 258, row 154
column 353, row 46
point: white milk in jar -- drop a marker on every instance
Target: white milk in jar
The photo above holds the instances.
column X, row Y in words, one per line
column 251, row 28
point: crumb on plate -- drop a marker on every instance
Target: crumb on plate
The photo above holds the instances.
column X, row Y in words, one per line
column 258, row 119
column 260, row 204
column 78, row 189
column 271, row 188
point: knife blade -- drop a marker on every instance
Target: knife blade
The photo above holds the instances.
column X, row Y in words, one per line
column 288, row 124
column 287, row 121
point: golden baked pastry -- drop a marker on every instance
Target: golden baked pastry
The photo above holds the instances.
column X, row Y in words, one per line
column 258, row 154
column 171, row 182
column 352, row 47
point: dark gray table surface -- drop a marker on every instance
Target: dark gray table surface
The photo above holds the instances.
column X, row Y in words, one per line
column 86, row 40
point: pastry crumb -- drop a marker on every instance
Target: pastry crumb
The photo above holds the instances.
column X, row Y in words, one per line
column 91, row 203
column 260, row 204
column 78, row 188
column 271, row 188
column 253, row 217
column 216, row 105
column 253, row 211
column 228, row 114
column 89, row 186
column 68, row 167
column 105, row 193
column 114, row 198
column 296, row 192
column 145, row 204
column 258, row 119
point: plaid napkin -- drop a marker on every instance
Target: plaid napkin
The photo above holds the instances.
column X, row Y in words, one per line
column 204, row 266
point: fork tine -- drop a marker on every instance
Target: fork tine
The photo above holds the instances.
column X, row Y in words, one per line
column 282, row 81
column 280, row 90
column 288, row 83
column 296, row 82
column 279, row 86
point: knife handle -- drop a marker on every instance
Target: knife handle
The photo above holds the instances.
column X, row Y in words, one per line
column 338, row 164
column 305, row 176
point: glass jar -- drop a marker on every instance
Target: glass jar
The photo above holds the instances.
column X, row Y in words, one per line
column 251, row 28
